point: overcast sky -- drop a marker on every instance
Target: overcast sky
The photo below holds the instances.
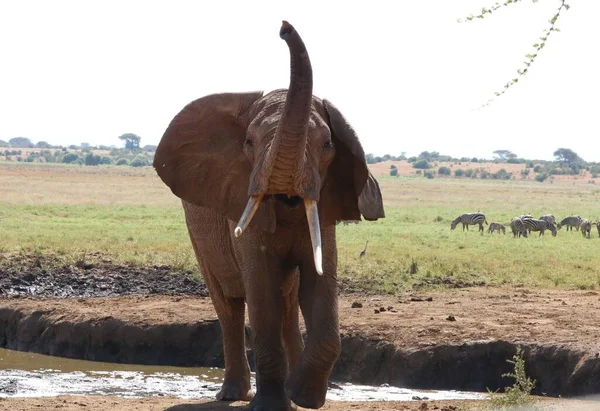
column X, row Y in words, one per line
column 406, row 74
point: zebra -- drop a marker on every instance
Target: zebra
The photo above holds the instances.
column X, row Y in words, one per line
column 586, row 228
column 518, row 228
column 549, row 218
column 598, row 227
column 532, row 224
column 497, row 227
column 570, row 222
column 469, row 219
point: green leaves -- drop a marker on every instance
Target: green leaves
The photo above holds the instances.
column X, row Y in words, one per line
column 537, row 46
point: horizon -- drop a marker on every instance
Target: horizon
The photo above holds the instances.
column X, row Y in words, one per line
column 407, row 82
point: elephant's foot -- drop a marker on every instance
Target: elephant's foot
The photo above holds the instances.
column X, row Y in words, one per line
column 306, row 389
column 235, row 391
column 271, row 402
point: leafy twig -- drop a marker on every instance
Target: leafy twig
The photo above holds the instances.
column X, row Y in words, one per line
column 530, row 57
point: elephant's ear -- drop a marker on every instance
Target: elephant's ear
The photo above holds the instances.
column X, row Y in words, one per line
column 349, row 190
column 200, row 156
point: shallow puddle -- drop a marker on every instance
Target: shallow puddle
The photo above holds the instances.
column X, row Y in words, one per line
column 34, row 375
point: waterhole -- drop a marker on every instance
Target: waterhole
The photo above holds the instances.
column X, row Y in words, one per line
column 24, row 374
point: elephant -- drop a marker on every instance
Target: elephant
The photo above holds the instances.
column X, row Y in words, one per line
column 287, row 167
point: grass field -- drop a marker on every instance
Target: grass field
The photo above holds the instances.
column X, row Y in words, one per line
column 129, row 215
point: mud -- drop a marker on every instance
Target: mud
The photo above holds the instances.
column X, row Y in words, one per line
column 91, row 276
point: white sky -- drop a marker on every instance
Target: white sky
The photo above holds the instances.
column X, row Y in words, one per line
column 407, row 76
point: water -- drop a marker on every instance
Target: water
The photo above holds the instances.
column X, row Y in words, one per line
column 34, row 375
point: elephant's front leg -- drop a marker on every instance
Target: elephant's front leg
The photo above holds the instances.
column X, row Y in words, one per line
column 264, row 299
column 307, row 384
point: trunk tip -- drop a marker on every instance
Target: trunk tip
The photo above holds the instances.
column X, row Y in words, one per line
column 286, row 29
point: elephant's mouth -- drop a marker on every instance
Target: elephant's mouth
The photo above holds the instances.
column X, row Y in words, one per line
column 312, row 217
column 292, row 202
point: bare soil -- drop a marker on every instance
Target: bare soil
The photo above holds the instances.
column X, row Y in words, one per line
column 406, row 330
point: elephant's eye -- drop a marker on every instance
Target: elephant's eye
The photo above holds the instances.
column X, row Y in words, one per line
column 328, row 143
column 248, row 142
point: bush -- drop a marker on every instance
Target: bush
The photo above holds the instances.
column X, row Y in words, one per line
column 105, row 160
column 70, row 158
column 444, row 171
column 92, row 160
column 419, row 172
column 394, row 172
column 459, row 172
column 428, row 174
column 474, row 160
column 513, row 160
column 537, row 168
column 541, row 177
column 122, row 162
column 140, row 161
column 412, row 159
column 421, row 164
column 393, row 167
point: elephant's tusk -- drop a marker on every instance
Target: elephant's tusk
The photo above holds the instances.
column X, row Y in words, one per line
column 251, row 207
column 312, row 215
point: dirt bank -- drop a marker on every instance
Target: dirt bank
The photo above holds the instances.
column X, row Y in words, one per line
column 94, row 403
column 455, row 339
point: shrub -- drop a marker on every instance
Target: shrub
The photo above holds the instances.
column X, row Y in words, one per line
column 428, row 174
column 105, row 160
column 92, row 160
column 541, row 177
column 537, row 168
column 140, row 161
column 444, row 171
column 393, row 167
column 412, row 159
column 459, row 172
column 394, row 172
column 474, row 160
column 122, row 162
column 419, row 172
column 422, row 164
column 70, row 158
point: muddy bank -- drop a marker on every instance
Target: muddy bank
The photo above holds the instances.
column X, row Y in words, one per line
column 90, row 276
column 159, row 330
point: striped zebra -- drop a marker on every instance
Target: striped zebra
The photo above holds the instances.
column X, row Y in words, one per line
column 497, row 227
column 531, row 224
column 586, row 227
column 570, row 222
column 469, row 219
column 549, row 218
column 598, row 227
column 518, row 228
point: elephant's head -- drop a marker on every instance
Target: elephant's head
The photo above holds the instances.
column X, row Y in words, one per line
column 246, row 155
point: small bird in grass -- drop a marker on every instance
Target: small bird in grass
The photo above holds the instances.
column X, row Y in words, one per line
column 363, row 252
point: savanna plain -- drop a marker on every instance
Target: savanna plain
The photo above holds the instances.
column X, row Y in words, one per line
column 541, row 289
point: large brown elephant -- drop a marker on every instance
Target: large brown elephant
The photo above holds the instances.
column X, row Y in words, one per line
column 287, row 167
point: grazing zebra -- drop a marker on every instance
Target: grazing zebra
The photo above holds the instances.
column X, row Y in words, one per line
column 531, row 224
column 518, row 228
column 497, row 227
column 586, row 227
column 598, row 227
column 570, row 222
column 469, row 219
column 549, row 218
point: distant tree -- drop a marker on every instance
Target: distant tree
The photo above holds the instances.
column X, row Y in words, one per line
column 74, row 147
column 43, row 144
column 92, row 159
column 370, row 158
column 503, row 154
column 459, row 172
column 105, row 160
column 394, row 172
column 422, row 164
column 149, row 147
column 474, row 160
column 412, row 159
column 132, row 141
column 20, row 142
column 70, row 158
column 566, row 155
column 140, row 161
column 85, row 146
column 122, row 162
column 541, row 177
column 4, row 143
column 425, row 155
column 444, row 171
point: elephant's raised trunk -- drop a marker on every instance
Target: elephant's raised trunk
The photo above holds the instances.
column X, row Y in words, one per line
column 286, row 156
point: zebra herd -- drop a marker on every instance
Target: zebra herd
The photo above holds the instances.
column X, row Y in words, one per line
column 525, row 224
